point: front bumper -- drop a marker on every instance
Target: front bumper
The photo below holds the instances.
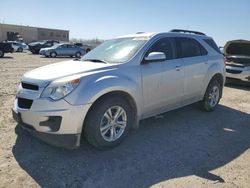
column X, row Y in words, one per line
column 68, row 141
column 42, row 52
column 240, row 73
column 36, row 120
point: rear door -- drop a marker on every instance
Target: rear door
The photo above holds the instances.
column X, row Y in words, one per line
column 193, row 55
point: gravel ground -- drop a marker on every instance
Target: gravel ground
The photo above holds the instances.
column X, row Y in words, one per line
column 182, row 148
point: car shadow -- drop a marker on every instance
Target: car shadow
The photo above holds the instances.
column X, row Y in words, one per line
column 175, row 144
column 239, row 85
column 6, row 57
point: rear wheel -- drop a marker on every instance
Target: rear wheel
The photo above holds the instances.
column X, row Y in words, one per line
column 20, row 49
column 78, row 54
column 53, row 54
column 212, row 96
column 1, row 53
column 36, row 52
column 108, row 122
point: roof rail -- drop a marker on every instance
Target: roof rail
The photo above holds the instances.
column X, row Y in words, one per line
column 140, row 32
column 187, row 31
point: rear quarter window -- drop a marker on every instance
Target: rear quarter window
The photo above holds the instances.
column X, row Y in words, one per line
column 212, row 44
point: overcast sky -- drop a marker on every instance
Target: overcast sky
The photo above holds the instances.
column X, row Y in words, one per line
column 222, row 19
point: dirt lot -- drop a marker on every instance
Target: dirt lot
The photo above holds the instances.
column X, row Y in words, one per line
column 182, row 148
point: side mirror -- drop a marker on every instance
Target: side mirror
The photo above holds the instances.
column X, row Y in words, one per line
column 155, row 57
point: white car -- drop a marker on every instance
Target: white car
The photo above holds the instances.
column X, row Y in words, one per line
column 237, row 54
column 19, row 46
column 123, row 80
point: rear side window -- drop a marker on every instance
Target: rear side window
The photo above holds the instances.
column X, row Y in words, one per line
column 164, row 45
column 188, row 47
column 212, row 44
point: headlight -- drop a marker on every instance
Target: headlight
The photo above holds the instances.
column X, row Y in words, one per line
column 60, row 88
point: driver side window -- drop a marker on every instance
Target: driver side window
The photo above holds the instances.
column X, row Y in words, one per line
column 164, row 45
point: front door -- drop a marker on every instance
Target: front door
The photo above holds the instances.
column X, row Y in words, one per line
column 162, row 82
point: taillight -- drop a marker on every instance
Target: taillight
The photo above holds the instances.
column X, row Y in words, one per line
column 225, row 60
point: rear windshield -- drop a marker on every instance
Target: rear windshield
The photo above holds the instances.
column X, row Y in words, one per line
column 212, row 44
column 238, row 49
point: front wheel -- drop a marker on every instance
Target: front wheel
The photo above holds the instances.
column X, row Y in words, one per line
column 212, row 96
column 108, row 122
column 53, row 54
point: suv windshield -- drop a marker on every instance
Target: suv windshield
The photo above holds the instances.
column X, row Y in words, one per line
column 116, row 50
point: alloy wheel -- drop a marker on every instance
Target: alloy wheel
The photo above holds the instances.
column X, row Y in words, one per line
column 113, row 123
column 213, row 96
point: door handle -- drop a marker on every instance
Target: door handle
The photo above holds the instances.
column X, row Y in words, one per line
column 177, row 67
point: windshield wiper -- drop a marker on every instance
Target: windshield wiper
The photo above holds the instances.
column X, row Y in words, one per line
column 96, row 60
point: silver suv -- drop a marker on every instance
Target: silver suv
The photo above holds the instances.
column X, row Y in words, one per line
column 123, row 80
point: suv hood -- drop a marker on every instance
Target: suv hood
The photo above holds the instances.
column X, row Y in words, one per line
column 43, row 75
column 237, row 48
column 35, row 43
column 48, row 48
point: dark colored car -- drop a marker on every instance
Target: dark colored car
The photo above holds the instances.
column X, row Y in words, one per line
column 87, row 48
column 35, row 47
column 237, row 53
column 5, row 48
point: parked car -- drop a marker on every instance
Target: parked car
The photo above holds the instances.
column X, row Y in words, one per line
column 87, row 48
column 19, row 46
column 62, row 50
column 123, row 80
column 35, row 47
column 5, row 48
column 237, row 53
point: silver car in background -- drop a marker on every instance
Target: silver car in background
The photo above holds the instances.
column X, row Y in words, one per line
column 121, row 81
column 237, row 53
column 63, row 50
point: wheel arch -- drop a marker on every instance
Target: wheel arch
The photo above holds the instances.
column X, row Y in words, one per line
column 53, row 52
column 120, row 93
column 218, row 77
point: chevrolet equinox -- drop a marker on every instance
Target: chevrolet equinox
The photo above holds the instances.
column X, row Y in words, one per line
column 104, row 94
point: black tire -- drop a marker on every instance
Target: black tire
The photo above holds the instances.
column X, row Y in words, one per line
column 78, row 54
column 88, row 50
column 53, row 54
column 36, row 51
column 1, row 53
column 92, row 124
column 20, row 49
column 206, row 102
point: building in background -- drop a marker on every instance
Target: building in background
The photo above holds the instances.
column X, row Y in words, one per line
column 31, row 34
